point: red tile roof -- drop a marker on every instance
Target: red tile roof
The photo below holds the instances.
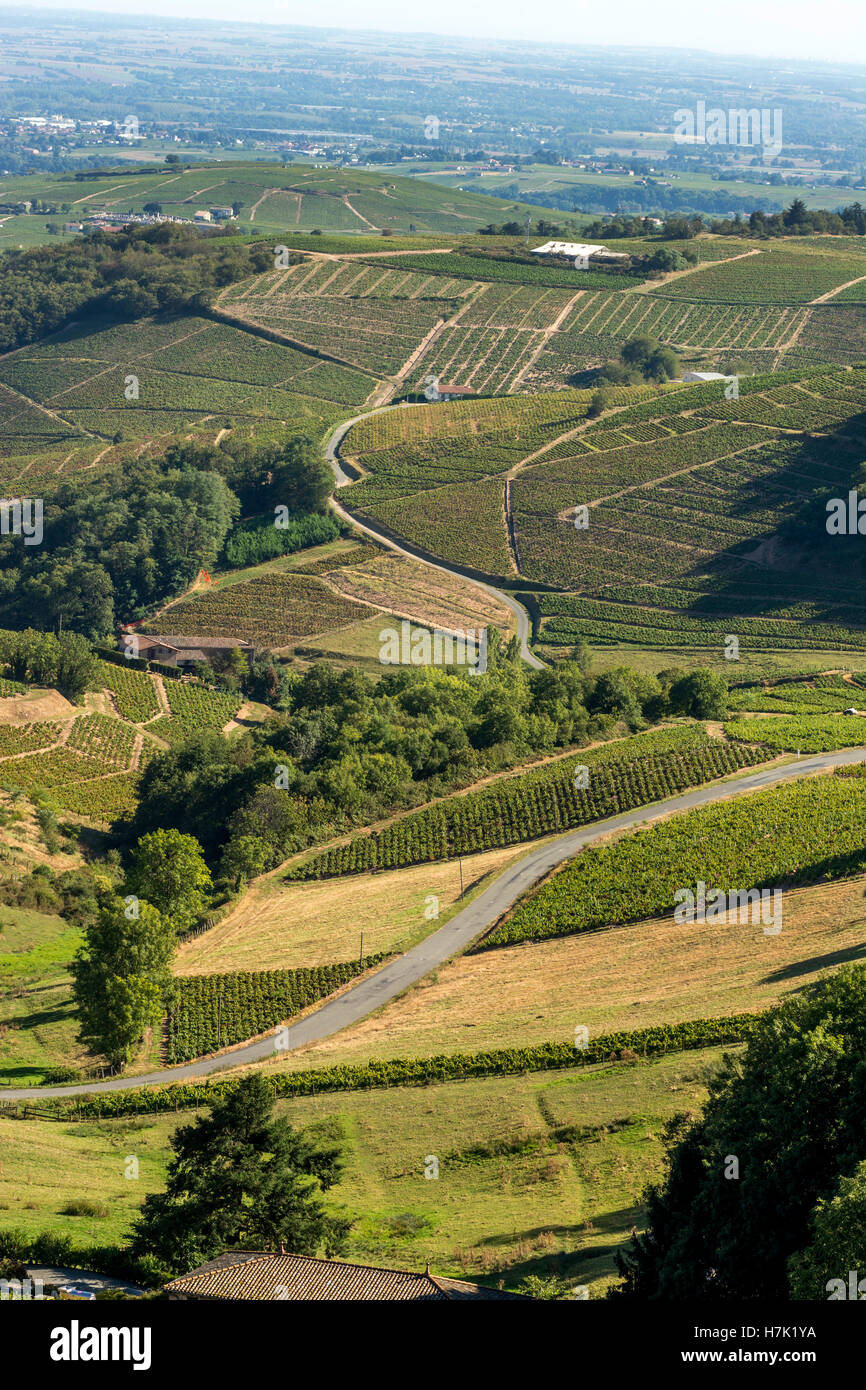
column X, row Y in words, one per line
column 251, row 1274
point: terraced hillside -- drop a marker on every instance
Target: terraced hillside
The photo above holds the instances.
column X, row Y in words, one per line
column 703, row 517
column 88, row 761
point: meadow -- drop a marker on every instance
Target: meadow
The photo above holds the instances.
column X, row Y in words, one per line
column 538, row 1174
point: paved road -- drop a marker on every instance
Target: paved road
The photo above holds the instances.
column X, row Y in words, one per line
column 374, row 991
column 524, row 627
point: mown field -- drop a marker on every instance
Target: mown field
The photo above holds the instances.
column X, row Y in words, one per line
column 649, row 972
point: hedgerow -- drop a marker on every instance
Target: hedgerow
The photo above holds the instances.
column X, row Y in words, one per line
column 624, row 1046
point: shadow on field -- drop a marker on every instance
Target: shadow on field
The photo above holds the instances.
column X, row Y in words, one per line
column 807, row 967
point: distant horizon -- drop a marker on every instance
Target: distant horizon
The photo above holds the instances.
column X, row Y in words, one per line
column 772, row 31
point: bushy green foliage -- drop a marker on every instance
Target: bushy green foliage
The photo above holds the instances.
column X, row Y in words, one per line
column 254, row 542
column 755, row 1184
column 122, row 275
column 241, row 1178
column 121, row 975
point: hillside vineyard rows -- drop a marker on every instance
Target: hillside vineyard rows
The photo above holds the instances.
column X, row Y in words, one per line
column 431, row 553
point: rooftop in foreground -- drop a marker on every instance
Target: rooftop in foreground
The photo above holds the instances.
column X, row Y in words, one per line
column 263, row 1275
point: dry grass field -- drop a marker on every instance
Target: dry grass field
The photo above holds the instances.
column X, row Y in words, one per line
column 412, row 590
column 630, row 977
column 279, row 925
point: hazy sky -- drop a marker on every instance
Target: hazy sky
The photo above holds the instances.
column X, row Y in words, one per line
column 830, row 29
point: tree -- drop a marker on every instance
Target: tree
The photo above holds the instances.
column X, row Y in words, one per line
column 77, row 665
column 241, row 1178
column 121, row 976
column 168, row 869
column 838, row 1243
column 702, row 694
column 751, row 1182
column 301, row 478
column 244, row 857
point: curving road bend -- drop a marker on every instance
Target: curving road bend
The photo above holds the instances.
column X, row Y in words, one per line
column 375, row 990
column 524, row 627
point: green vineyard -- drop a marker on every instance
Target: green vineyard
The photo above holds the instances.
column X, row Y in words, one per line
column 208, row 1012
column 543, row 802
column 801, row 733
column 788, row 835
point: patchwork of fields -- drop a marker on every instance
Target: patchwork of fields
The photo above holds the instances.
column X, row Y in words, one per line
column 89, row 762
column 699, row 511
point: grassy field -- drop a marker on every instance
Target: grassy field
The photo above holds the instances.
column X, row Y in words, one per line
column 537, row 1174
column 37, row 1022
column 633, row 976
column 279, row 924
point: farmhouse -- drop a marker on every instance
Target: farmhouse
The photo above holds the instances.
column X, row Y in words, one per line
column 183, row 651
column 571, row 249
column 705, row 376
column 259, row 1275
column 449, row 391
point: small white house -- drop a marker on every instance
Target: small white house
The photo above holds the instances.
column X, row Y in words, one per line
column 705, row 376
column 571, row 249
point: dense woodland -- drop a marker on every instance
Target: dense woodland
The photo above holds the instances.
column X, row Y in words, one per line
column 139, row 535
column 118, row 276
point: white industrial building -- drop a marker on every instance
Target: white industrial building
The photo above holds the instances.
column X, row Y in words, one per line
column 571, row 249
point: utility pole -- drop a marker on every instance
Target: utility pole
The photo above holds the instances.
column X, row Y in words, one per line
column 361, row 957
column 460, row 857
column 219, row 1021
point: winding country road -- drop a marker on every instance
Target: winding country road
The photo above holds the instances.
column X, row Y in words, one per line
column 392, row 979
column 524, row 627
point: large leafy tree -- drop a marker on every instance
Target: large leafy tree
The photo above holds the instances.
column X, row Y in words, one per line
column 121, row 976
column 241, row 1178
column 785, row 1121
column 169, row 871
column 838, row 1245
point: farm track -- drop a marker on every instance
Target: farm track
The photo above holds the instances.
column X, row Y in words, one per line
column 524, row 627
column 475, row 920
